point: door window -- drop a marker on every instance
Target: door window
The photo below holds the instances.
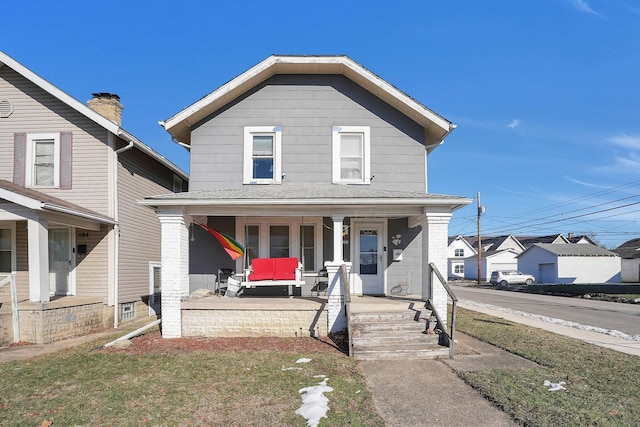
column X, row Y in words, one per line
column 368, row 251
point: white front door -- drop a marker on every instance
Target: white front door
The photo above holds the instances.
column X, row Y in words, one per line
column 369, row 257
column 59, row 261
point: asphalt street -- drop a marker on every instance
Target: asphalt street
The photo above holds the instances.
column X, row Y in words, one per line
column 601, row 314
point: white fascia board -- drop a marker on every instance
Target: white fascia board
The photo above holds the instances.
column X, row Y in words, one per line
column 456, row 203
column 19, row 199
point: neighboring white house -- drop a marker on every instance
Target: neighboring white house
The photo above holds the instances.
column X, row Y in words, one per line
column 457, row 251
column 629, row 253
column 491, row 261
column 570, row 263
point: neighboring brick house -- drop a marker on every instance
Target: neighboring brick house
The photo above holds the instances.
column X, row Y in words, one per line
column 84, row 254
column 312, row 157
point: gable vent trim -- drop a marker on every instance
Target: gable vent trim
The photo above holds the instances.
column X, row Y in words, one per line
column 6, row 108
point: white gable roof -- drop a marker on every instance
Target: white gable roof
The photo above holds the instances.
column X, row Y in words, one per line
column 436, row 127
column 87, row 112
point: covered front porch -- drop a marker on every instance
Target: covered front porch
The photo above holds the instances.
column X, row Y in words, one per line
column 50, row 246
column 384, row 239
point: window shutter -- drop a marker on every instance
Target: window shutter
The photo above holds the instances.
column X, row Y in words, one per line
column 66, row 139
column 19, row 154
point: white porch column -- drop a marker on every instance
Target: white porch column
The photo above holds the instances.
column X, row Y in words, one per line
column 338, row 221
column 38, row 232
column 435, row 229
column 335, row 294
column 175, row 270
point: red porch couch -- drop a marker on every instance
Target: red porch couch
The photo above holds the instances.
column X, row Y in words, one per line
column 274, row 272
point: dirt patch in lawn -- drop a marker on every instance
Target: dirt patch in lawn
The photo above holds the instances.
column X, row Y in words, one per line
column 154, row 343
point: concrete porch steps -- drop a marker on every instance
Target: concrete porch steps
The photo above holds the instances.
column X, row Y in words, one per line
column 389, row 335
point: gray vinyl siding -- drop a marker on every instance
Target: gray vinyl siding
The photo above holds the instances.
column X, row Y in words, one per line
column 140, row 234
column 307, row 107
column 36, row 111
column 409, row 270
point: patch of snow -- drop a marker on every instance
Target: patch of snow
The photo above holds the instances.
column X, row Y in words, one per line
column 611, row 332
column 554, row 386
column 320, row 376
column 314, row 403
column 291, row 369
column 303, row 360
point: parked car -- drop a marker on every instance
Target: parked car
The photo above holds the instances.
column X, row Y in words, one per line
column 511, row 277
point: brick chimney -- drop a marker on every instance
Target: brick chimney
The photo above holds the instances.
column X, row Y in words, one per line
column 108, row 105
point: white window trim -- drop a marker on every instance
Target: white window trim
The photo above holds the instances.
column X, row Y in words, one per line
column 366, row 166
column 12, row 228
column 249, row 131
column 30, row 159
column 294, row 237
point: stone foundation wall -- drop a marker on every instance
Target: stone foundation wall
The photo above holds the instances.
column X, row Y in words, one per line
column 6, row 328
column 254, row 323
column 48, row 325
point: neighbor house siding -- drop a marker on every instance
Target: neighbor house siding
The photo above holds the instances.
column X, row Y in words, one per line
column 140, row 234
column 92, row 268
column 36, row 111
column 307, row 107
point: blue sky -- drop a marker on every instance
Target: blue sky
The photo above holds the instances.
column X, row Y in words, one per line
column 545, row 93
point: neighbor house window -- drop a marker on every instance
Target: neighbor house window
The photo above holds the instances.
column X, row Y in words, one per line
column 351, row 154
column 459, row 269
column 307, row 247
column 43, row 160
column 262, row 147
column 5, row 250
column 459, row 252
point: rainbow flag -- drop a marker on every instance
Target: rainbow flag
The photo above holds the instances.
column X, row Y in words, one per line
column 233, row 248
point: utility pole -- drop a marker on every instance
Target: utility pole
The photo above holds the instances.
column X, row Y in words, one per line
column 481, row 210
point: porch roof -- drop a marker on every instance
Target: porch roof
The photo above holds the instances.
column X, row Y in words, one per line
column 322, row 198
column 36, row 200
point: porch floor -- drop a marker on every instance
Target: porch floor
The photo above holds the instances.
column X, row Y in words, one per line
column 366, row 303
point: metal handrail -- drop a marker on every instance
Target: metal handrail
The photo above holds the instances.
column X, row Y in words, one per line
column 454, row 300
column 346, row 292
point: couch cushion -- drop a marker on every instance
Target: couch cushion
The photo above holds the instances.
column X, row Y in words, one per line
column 262, row 269
column 285, row 269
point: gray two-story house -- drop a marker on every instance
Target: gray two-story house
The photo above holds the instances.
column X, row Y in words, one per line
column 311, row 157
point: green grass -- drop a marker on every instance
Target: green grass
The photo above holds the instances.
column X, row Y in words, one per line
column 203, row 388
column 603, row 386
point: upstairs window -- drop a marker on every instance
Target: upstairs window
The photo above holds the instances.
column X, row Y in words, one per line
column 351, row 154
column 262, row 150
column 459, row 252
column 43, row 156
column 43, row 160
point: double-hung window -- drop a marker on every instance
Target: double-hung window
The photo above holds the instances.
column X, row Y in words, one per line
column 43, row 160
column 459, row 252
column 262, row 152
column 351, row 154
column 6, row 249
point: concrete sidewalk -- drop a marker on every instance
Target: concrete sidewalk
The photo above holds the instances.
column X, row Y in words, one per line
column 428, row 392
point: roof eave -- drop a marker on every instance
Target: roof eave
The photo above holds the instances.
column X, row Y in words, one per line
column 179, row 125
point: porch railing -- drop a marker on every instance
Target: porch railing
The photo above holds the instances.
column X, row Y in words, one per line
column 346, row 291
column 454, row 299
column 11, row 280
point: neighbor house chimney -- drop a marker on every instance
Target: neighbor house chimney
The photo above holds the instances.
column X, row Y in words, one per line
column 108, row 105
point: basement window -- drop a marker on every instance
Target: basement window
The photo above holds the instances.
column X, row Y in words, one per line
column 128, row 310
